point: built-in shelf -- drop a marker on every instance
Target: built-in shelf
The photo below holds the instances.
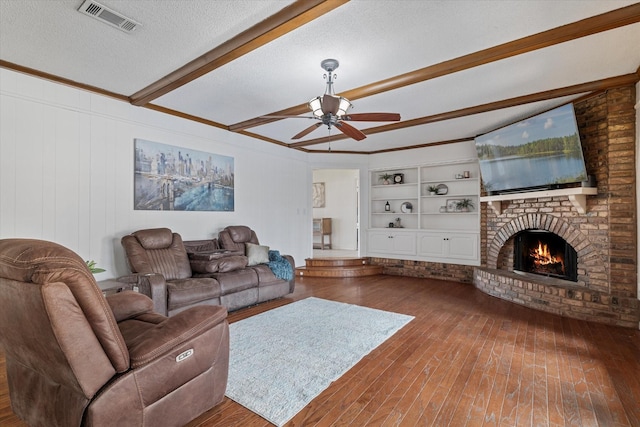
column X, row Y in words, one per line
column 577, row 196
column 436, row 231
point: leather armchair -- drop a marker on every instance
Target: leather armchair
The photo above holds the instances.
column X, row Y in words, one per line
column 162, row 270
column 76, row 358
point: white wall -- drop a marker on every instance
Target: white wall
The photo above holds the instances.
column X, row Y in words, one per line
column 66, row 174
column 341, row 205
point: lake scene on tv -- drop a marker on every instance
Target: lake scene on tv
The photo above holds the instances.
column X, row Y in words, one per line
column 540, row 152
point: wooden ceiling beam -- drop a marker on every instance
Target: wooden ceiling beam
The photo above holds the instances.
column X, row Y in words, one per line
column 288, row 19
column 67, row 82
column 186, row 116
column 597, row 85
column 389, row 150
column 585, row 27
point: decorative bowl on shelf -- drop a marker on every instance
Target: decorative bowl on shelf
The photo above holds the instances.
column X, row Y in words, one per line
column 441, row 189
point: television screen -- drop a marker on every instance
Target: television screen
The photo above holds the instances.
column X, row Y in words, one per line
column 540, row 152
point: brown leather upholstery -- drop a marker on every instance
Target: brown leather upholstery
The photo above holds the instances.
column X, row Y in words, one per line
column 234, row 237
column 178, row 275
column 157, row 250
column 160, row 251
column 74, row 357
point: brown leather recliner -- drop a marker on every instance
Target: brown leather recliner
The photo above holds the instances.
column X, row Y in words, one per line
column 161, row 267
column 234, row 237
column 76, row 358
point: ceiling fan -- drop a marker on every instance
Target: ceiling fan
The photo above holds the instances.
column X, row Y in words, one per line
column 332, row 110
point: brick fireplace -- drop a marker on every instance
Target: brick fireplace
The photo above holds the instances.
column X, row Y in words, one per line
column 545, row 253
column 603, row 236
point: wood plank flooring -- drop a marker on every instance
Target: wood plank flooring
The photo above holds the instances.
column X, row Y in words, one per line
column 466, row 360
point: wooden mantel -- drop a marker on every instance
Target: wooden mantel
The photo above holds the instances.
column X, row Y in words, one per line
column 577, row 196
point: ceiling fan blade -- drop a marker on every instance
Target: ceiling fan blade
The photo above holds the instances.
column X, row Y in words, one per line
column 330, row 104
column 350, row 131
column 307, row 130
column 287, row 117
column 372, row 117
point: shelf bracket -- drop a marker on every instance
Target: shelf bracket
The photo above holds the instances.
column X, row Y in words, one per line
column 579, row 202
column 496, row 205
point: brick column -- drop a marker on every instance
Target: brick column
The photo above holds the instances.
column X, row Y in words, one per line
column 621, row 132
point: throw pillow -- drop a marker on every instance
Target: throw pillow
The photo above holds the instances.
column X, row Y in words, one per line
column 257, row 254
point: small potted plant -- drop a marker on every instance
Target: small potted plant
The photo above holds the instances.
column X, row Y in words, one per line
column 386, row 178
column 92, row 267
column 432, row 189
column 464, row 205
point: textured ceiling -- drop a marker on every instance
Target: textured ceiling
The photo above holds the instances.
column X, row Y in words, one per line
column 373, row 40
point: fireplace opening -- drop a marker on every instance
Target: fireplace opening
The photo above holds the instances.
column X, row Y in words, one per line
column 545, row 253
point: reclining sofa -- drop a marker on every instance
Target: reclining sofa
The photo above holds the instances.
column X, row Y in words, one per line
column 232, row 270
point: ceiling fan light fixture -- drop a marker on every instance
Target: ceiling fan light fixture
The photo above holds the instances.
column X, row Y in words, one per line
column 315, row 105
column 344, row 106
column 331, row 110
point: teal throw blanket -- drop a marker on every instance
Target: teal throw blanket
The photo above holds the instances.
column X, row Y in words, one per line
column 280, row 266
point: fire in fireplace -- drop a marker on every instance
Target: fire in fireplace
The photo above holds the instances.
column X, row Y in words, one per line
column 545, row 253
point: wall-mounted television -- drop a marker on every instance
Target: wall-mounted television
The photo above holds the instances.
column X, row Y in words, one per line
column 541, row 152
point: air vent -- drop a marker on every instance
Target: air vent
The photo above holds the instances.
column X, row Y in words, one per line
column 108, row 16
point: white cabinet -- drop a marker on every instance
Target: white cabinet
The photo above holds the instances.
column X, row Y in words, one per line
column 427, row 201
column 449, row 246
column 392, row 242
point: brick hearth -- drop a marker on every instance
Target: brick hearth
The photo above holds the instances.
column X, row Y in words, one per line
column 604, row 237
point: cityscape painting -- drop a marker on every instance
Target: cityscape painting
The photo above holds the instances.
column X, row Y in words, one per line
column 180, row 179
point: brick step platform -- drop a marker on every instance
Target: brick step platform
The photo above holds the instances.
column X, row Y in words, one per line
column 558, row 297
column 338, row 267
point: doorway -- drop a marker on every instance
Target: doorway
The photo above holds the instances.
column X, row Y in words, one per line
column 337, row 198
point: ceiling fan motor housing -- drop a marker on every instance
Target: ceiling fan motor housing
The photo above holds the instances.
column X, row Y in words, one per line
column 329, row 65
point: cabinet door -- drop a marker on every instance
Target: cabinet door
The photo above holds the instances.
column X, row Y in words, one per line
column 404, row 243
column 393, row 243
column 463, row 246
column 432, row 245
column 379, row 241
column 452, row 246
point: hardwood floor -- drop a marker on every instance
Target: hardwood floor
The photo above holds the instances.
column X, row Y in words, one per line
column 466, row 360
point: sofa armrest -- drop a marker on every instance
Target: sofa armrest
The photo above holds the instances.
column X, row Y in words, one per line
column 128, row 304
column 152, row 285
column 292, row 282
column 174, row 331
column 205, row 263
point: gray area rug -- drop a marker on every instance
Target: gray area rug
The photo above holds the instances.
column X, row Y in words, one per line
column 282, row 359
